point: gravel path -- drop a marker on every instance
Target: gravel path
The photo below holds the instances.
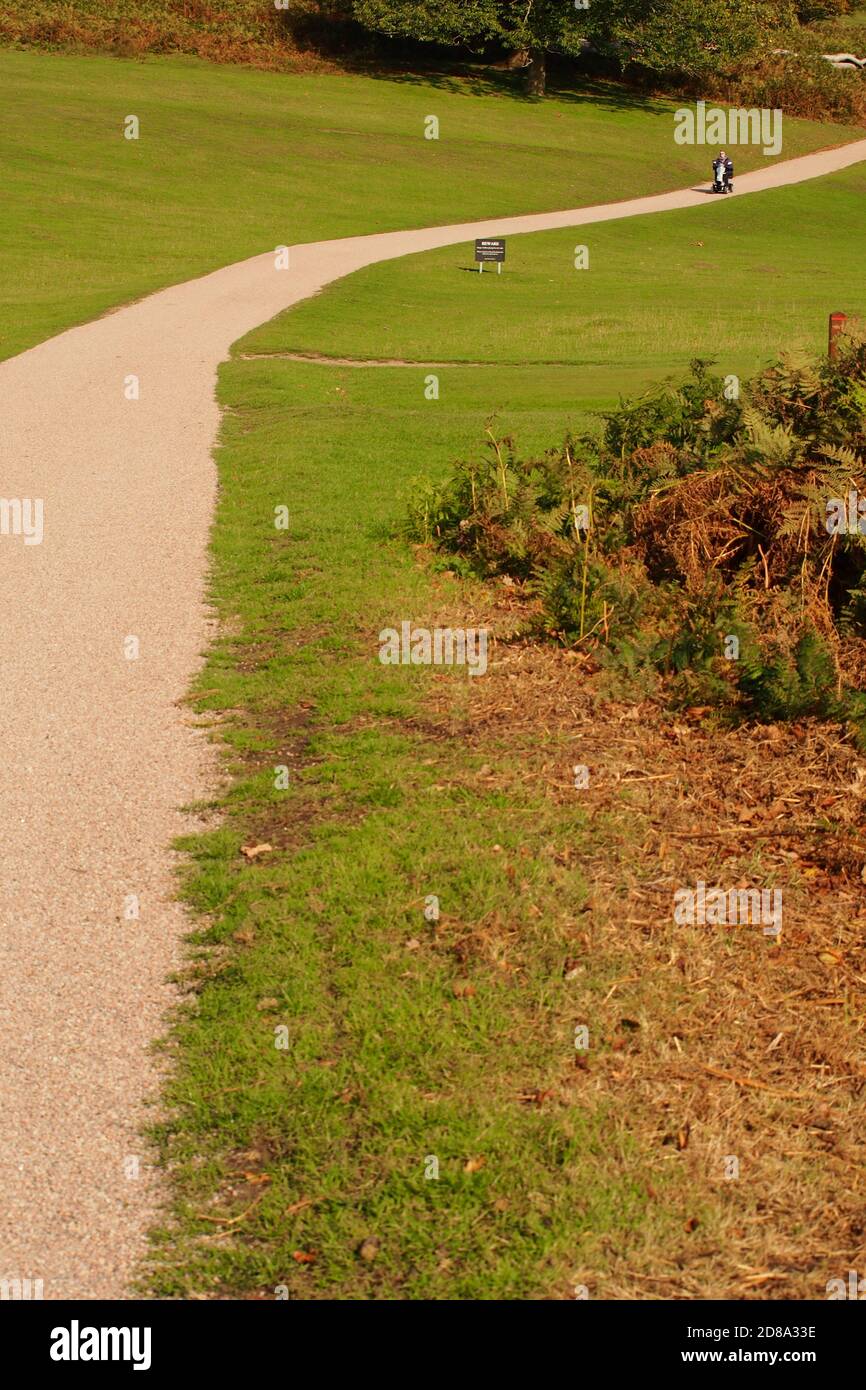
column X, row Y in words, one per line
column 96, row 753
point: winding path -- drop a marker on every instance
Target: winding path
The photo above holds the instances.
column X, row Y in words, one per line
column 97, row 755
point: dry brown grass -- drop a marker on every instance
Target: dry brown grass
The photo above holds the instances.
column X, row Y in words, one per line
column 717, row 1041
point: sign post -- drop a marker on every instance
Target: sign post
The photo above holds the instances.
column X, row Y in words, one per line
column 837, row 326
column 489, row 249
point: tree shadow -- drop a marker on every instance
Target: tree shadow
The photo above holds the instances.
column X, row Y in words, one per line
column 483, row 80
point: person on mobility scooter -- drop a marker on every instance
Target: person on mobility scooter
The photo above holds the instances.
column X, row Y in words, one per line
column 723, row 174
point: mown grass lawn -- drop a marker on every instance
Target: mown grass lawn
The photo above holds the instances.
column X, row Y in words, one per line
column 734, row 282
column 401, row 1107
column 414, row 1048
column 230, row 162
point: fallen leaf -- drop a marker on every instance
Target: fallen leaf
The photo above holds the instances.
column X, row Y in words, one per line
column 304, row 1257
column 265, row 1004
column 369, row 1248
column 474, row 1165
column 253, row 851
column 257, row 1178
column 535, row 1097
column 691, row 1225
column 463, row 989
column 299, row 1206
column 249, row 1156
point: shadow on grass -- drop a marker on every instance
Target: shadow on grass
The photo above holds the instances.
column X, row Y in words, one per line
column 486, row 81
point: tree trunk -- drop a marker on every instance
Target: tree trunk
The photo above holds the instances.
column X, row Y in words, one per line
column 536, row 76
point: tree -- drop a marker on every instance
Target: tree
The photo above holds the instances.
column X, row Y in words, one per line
column 687, row 37
column 470, row 22
column 540, row 27
column 531, row 27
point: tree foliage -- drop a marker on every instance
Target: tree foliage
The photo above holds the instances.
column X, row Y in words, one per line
column 688, row 36
column 470, row 22
column 677, row 37
column 551, row 25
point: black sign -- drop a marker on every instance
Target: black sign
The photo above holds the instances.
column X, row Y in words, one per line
column 489, row 249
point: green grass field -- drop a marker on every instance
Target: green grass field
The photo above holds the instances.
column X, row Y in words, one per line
column 733, row 281
column 230, row 162
column 407, row 1043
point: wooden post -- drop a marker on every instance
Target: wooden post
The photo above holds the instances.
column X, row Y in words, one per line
column 837, row 326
